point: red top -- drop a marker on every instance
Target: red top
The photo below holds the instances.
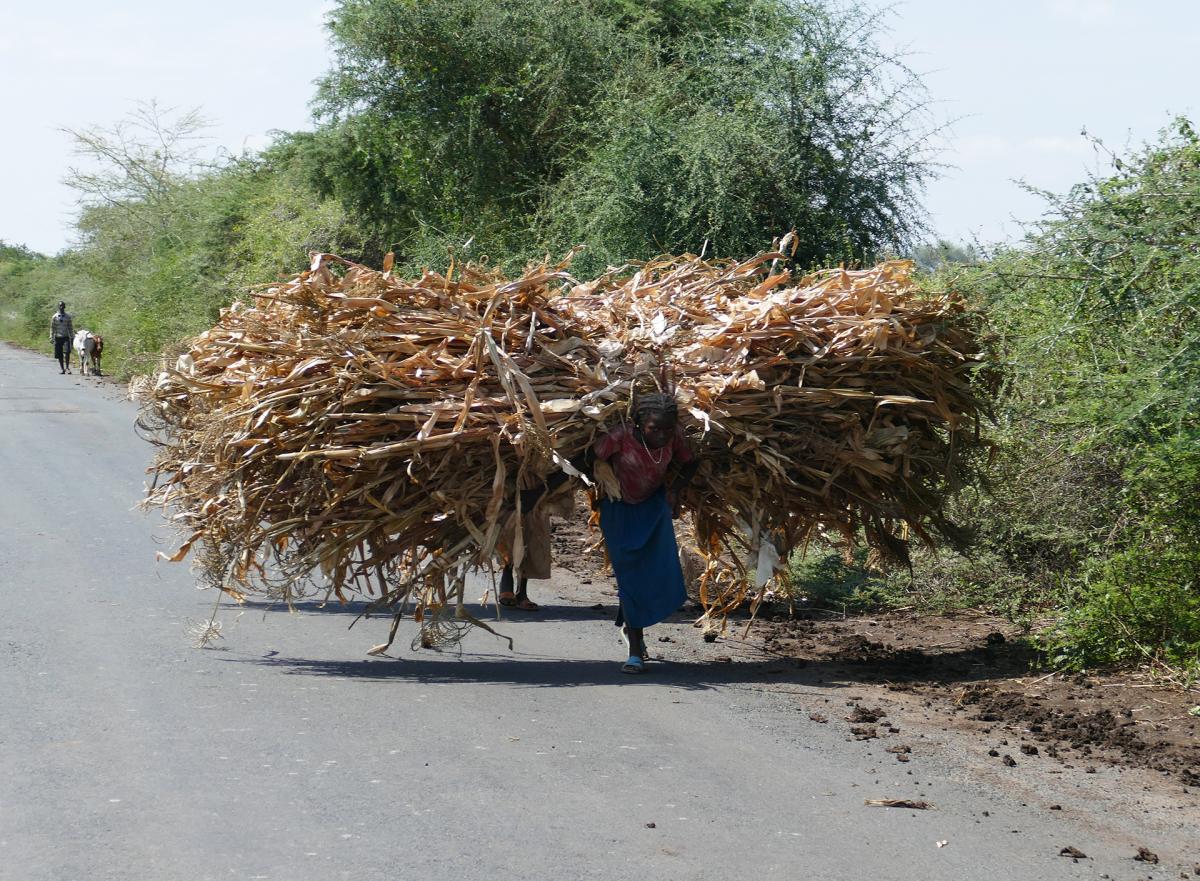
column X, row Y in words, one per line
column 640, row 470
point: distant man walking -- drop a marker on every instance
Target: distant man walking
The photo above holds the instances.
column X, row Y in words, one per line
column 62, row 328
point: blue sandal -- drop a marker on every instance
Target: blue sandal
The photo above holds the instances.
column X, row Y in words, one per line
column 634, row 665
column 638, row 649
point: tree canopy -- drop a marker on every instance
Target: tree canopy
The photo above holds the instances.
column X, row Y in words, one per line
column 631, row 129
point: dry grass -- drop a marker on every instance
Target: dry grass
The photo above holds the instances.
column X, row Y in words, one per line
column 351, row 432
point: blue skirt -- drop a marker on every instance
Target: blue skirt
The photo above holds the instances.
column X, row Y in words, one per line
column 641, row 545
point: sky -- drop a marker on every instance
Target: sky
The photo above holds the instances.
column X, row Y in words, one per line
column 1017, row 81
column 1021, row 79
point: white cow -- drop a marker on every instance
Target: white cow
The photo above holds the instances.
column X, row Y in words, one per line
column 89, row 346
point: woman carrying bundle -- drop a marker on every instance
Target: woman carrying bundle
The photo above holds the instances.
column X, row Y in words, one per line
column 637, row 527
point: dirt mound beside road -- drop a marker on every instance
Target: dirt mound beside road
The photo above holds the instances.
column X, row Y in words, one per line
column 1118, row 727
column 972, row 668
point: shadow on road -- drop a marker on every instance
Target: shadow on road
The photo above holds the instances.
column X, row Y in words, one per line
column 525, row 670
column 753, row 667
column 356, row 608
column 848, row 662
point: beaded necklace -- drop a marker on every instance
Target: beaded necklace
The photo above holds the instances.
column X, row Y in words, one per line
column 661, row 452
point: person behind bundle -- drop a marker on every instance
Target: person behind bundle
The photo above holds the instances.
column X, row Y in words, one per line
column 514, row 592
column 62, row 328
column 536, row 506
column 637, row 527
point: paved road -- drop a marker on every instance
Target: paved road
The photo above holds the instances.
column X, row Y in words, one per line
column 286, row 753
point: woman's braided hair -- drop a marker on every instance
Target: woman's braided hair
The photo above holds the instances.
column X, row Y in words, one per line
column 658, row 402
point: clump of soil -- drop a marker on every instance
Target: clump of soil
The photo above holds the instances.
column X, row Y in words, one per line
column 865, row 714
column 974, row 668
column 1093, row 725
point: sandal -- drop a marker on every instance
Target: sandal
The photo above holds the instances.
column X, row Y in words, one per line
column 507, row 598
column 633, row 665
column 526, row 605
column 634, row 649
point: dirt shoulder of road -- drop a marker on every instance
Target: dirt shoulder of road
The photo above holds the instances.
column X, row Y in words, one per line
column 973, row 671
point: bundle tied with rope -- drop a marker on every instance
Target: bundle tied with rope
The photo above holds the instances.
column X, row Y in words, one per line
column 351, row 432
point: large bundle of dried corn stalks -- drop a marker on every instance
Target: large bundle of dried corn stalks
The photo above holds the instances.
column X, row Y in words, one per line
column 352, row 431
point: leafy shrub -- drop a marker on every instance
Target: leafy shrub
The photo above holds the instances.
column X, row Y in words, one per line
column 1097, row 490
column 1132, row 608
column 823, row 575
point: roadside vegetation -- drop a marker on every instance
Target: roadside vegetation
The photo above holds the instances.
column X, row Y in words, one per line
column 509, row 130
column 1090, row 518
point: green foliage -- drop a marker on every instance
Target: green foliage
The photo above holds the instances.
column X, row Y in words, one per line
column 244, row 224
column 943, row 254
column 31, row 285
column 1091, row 512
column 1134, row 608
column 18, row 276
column 276, row 221
column 823, row 575
column 826, row 577
column 1096, row 489
column 1099, row 309
column 15, row 259
column 633, row 129
column 668, row 21
column 447, row 116
column 1142, row 602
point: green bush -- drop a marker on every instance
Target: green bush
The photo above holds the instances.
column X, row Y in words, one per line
column 1090, row 514
column 1096, row 488
column 823, row 576
column 1142, row 603
column 1132, row 608
column 938, row 582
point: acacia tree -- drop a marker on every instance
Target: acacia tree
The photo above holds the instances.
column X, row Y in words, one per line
column 448, row 117
column 134, row 167
column 170, row 231
column 630, row 128
column 788, row 120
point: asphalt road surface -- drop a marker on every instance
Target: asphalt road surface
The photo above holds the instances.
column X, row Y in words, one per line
column 284, row 752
